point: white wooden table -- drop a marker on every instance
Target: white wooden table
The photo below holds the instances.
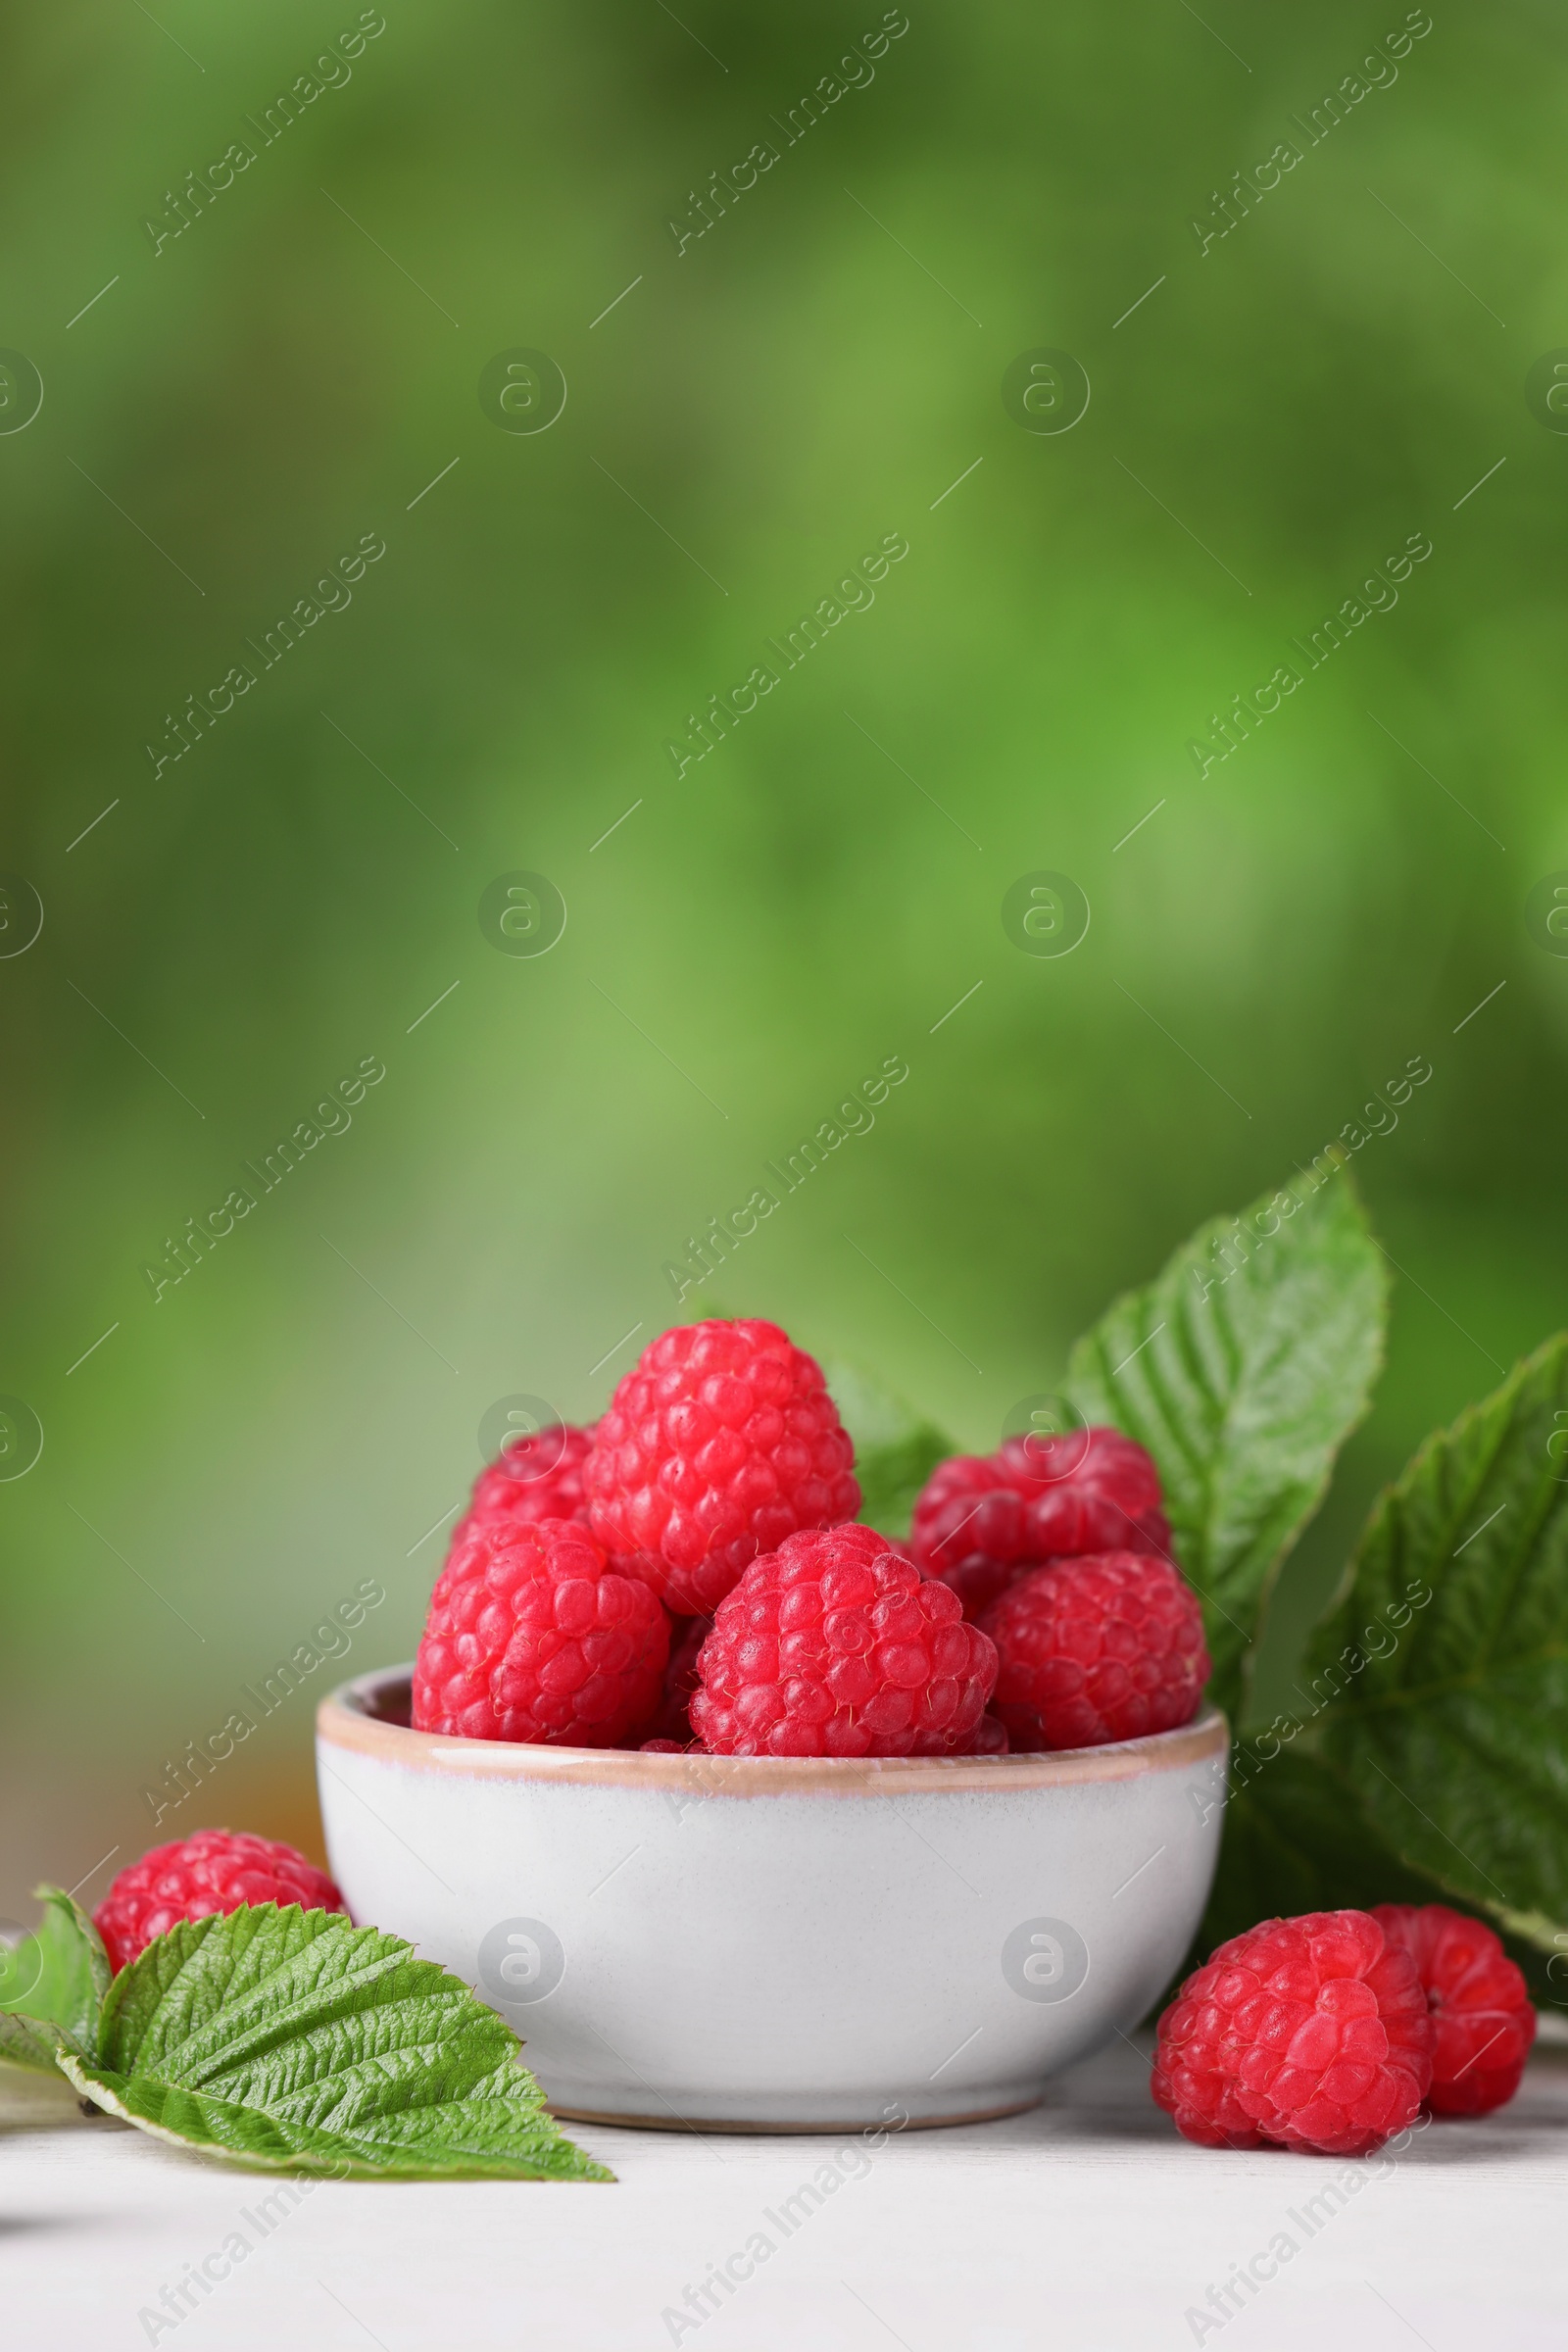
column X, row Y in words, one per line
column 1085, row 2227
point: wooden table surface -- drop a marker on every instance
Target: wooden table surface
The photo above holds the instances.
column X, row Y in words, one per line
column 1084, row 2227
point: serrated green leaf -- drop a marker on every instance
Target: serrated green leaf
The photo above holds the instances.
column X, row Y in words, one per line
column 24, row 2042
column 52, row 1983
column 896, row 1448
column 1243, row 1367
column 283, row 2037
column 1455, row 1736
column 1298, row 1838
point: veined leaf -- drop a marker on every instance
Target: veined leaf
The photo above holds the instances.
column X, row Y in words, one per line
column 1298, row 1838
column 896, row 1449
column 52, row 1984
column 1446, row 1662
column 1243, row 1367
column 283, row 2037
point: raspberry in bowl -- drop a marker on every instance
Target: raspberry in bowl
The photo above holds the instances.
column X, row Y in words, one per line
column 531, row 1636
column 780, row 1941
column 836, row 1645
column 721, row 1441
column 718, row 1796
column 981, row 1521
column 1108, row 1646
column 534, row 1477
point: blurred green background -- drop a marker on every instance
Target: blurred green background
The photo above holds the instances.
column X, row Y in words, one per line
column 233, row 411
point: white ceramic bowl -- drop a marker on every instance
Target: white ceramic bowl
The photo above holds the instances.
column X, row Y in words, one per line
column 760, row 1943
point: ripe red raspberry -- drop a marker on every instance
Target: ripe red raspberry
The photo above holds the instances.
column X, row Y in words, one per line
column 532, row 1636
column 1308, row 2032
column 672, row 1721
column 721, row 1441
column 1482, row 2016
column 991, row 1738
column 982, row 1520
column 1108, row 1647
column 212, row 1870
column 833, row 1645
column 535, row 1478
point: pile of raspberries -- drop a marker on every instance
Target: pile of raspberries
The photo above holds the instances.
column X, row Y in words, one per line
column 1332, row 2032
column 690, row 1573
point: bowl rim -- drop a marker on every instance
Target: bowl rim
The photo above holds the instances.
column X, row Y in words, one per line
column 344, row 1720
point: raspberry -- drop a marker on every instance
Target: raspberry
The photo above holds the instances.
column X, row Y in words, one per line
column 532, row 1636
column 663, row 1748
column 1307, row 2032
column 1108, row 1647
column 833, row 1645
column 212, row 1870
column 672, row 1722
column 535, row 1478
column 991, row 1738
column 721, row 1441
column 1482, row 2018
column 982, row 1520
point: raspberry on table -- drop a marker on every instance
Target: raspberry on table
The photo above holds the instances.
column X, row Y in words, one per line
column 834, row 1645
column 982, row 1519
column 719, row 1441
column 211, row 1871
column 1307, row 2032
column 1089, row 1650
column 538, row 1477
column 531, row 1636
column 1483, row 2019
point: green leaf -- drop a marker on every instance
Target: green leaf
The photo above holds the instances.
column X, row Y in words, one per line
column 25, row 2044
column 52, row 1983
column 1298, row 1838
column 282, row 2037
column 1443, row 1669
column 1243, row 1367
column 896, row 1449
